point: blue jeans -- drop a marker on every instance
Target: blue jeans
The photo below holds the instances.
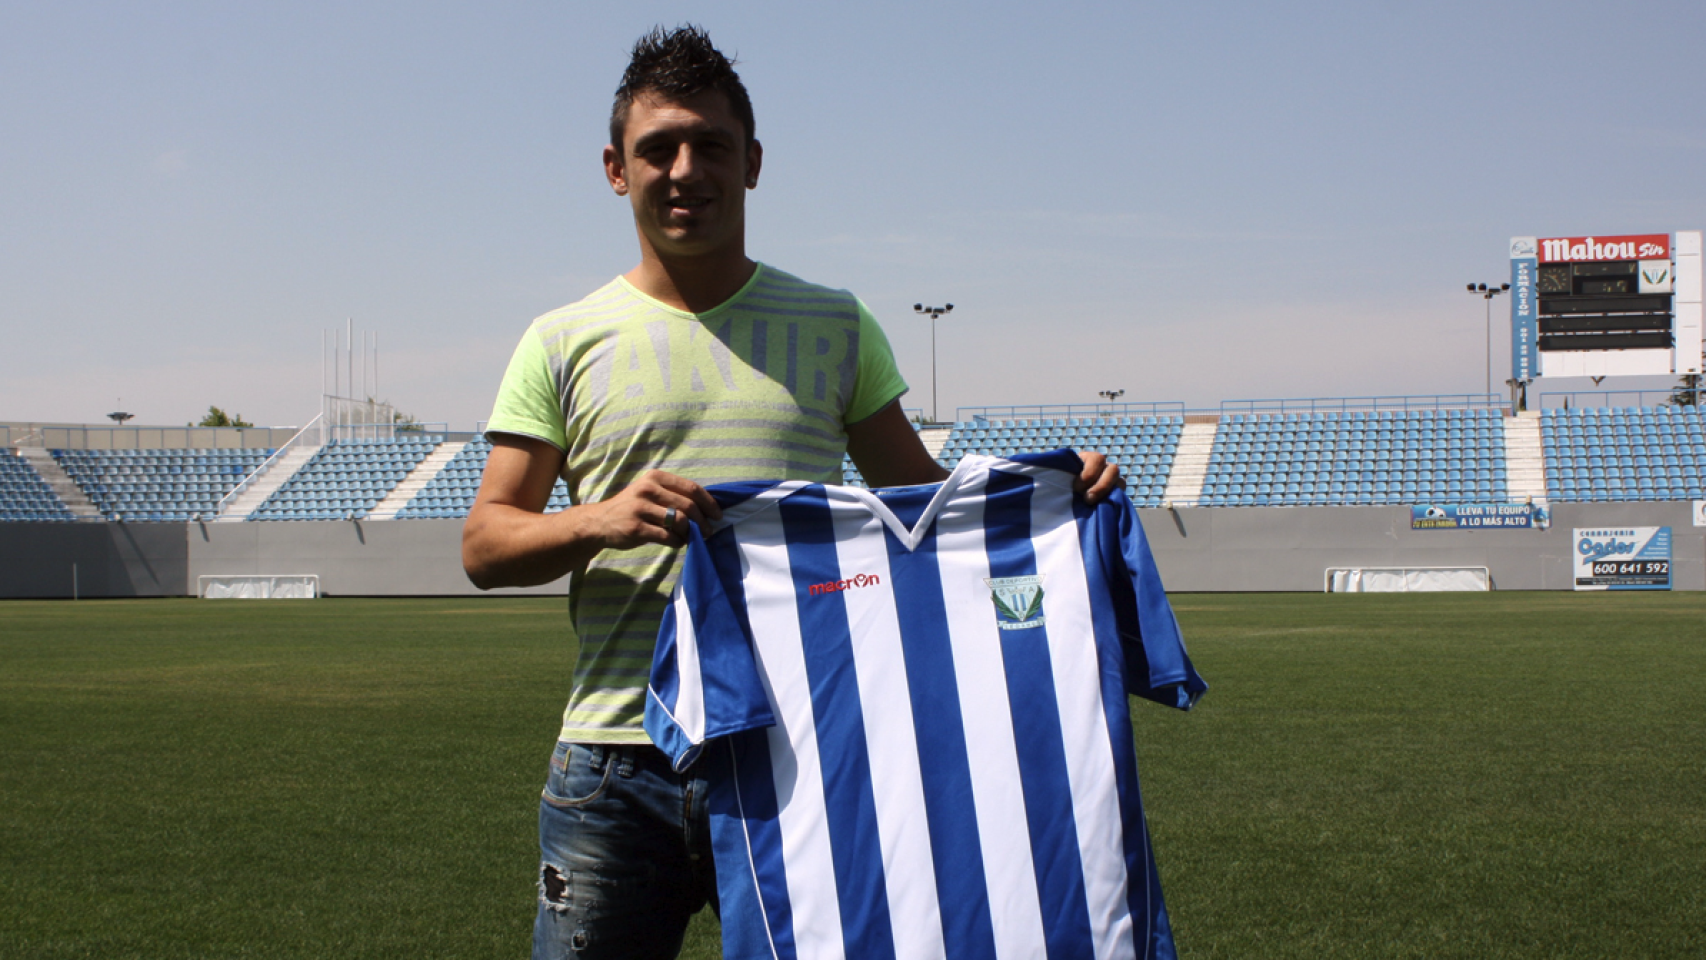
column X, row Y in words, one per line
column 625, row 854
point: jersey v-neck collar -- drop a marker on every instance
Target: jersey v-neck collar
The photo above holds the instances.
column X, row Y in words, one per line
column 911, row 537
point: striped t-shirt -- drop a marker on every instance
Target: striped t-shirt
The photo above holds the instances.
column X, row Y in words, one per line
column 761, row 387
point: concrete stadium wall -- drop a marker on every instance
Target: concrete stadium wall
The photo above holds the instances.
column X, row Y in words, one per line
column 352, row 559
column 1290, row 548
column 111, row 560
column 1284, row 549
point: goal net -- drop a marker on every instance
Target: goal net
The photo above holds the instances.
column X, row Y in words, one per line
column 302, row 586
column 1407, row 579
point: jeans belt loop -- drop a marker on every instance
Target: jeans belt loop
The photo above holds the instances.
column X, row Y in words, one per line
column 595, row 760
column 625, row 765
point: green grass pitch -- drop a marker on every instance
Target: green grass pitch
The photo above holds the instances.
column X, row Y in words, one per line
column 1473, row 775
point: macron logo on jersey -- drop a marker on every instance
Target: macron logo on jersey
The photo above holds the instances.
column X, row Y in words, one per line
column 836, row 586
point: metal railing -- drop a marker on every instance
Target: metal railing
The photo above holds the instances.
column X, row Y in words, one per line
column 1438, row 401
column 244, row 484
column 1603, row 399
column 1091, row 411
column 385, row 431
column 83, row 436
column 23, row 440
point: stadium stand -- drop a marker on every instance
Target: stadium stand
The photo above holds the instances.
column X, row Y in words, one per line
column 25, row 496
column 1144, row 447
column 346, row 479
column 158, row 485
column 1356, row 458
column 850, row 476
column 1624, row 453
column 450, row 494
column 1333, row 458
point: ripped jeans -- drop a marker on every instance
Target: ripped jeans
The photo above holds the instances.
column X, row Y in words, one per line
column 625, row 854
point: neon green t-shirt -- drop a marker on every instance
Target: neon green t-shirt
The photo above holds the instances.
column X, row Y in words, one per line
column 759, row 388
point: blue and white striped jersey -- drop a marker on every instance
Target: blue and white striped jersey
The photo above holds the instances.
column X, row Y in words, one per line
column 913, row 705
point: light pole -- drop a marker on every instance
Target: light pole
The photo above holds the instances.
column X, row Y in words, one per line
column 1488, row 292
column 1109, row 396
column 933, row 313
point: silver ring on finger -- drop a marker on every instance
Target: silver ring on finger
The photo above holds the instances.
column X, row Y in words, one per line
column 669, row 518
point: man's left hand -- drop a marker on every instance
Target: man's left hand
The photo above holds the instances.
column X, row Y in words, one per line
column 1099, row 478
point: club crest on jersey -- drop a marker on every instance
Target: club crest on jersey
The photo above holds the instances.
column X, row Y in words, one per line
column 1018, row 601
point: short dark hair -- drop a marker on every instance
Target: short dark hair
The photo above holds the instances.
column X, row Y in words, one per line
column 677, row 64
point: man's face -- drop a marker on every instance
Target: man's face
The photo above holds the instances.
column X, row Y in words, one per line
column 685, row 167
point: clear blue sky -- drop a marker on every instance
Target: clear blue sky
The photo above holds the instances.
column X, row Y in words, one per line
column 1187, row 201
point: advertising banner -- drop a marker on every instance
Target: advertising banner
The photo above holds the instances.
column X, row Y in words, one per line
column 1525, row 311
column 1472, row 516
column 1630, row 558
column 1700, row 513
column 1644, row 246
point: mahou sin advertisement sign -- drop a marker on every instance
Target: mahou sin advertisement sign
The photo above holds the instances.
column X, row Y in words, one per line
column 1622, row 305
column 1646, row 246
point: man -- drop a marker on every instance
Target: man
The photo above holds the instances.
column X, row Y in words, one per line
column 697, row 366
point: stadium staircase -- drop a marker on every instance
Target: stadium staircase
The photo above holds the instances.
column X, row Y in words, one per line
column 267, row 483
column 25, row 496
column 450, row 493
column 159, row 484
column 935, row 438
column 418, row 478
column 346, row 479
column 1190, row 464
column 60, row 482
column 1524, row 458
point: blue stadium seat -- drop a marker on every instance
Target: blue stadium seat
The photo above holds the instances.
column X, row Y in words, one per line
column 1357, row 457
column 172, row 484
column 1628, row 452
column 24, row 496
column 346, row 479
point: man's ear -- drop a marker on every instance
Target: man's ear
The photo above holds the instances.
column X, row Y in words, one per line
column 754, row 160
column 615, row 171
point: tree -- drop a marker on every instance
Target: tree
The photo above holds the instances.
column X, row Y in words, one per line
column 1686, row 393
column 219, row 418
column 403, row 422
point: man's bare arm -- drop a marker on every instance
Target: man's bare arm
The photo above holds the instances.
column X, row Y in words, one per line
column 509, row 540
column 887, row 450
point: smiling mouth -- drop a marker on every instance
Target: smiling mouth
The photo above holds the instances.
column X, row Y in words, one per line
column 688, row 204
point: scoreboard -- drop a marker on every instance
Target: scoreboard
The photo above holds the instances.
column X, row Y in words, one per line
column 1606, row 306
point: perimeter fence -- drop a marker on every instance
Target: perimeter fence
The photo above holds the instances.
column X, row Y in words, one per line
column 1607, row 399
column 1426, row 401
column 83, row 436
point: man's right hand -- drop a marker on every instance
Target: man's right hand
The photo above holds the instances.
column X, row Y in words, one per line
column 510, row 541
column 640, row 514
